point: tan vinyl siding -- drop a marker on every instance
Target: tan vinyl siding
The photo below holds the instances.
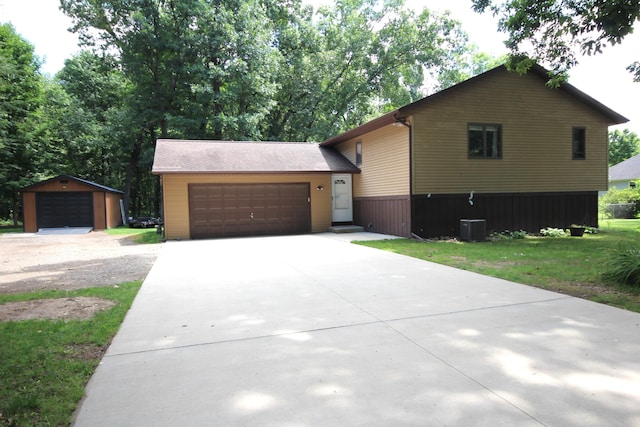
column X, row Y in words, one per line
column 176, row 196
column 537, row 127
column 385, row 162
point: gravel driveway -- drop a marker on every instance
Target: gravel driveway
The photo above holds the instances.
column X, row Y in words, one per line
column 30, row 262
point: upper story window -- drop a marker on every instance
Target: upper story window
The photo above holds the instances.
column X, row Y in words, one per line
column 358, row 153
column 485, row 141
column 579, row 144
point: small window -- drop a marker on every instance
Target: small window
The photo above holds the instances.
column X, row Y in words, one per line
column 579, row 143
column 485, row 141
column 358, row 153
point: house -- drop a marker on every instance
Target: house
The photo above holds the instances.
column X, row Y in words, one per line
column 67, row 201
column 625, row 174
column 502, row 147
column 219, row 189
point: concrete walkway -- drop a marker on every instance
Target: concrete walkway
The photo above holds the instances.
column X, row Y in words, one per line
column 315, row 331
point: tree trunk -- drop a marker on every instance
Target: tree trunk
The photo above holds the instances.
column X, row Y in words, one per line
column 131, row 170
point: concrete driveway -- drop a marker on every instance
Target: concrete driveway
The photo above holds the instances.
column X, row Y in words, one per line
column 315, row 331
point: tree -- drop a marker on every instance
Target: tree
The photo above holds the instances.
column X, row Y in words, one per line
column 198, row 69
column 550, row 31
column 20, row 96
column 469, row 64
column 258, row 69
column 622, row 146
column 353, row 61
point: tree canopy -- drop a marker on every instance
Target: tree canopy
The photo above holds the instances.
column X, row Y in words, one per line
column 20, row 97
column 623, row 144
column 204, row 69
column 554, row 32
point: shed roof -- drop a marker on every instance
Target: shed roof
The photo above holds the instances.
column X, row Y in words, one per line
column 626, row 170
column 194, row 156
column 402, row 112
column 33, row 187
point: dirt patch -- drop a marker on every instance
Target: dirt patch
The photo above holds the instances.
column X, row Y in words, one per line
column 31, row 262
column 495, row 264
column 88, row 352
column 57, row 308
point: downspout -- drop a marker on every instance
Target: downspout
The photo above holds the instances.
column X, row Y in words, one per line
column 404, row 121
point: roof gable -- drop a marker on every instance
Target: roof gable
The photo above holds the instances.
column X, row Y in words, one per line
column 195, row 156
column 626, row 170
column 71, row 178
column 611, row 116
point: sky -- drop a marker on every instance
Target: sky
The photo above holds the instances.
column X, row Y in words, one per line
column 603, row 77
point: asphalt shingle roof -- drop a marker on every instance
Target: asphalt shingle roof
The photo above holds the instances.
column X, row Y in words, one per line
column 626, row 170
column 73, row 178
column 195, row 156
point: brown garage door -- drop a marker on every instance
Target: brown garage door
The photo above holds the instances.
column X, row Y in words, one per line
column 225, row 210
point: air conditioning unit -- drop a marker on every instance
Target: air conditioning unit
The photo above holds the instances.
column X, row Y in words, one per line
column 473, row 230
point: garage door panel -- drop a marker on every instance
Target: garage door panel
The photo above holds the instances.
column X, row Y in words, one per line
column 224, row 210
column 64, row 209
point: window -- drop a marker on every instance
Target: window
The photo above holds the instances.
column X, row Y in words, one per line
column 579, row 143
column 485, row 141
column 358, row 153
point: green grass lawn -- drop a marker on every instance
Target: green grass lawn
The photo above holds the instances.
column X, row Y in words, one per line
column 571, row 265
column 45, row 364
column 140, row 235
column 10, row 229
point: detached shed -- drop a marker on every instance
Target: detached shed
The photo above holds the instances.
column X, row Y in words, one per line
column 67, row 201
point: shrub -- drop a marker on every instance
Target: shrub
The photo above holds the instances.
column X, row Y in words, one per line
column 552, row 232
column 623, row 265
column 616, row 197
column 591, row 230
column 509, row 235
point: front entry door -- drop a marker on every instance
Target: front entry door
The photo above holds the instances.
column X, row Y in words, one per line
column 342, row 204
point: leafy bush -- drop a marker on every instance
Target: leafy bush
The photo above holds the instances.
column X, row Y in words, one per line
column 509, row 235
column 552, row 232
column 591, row 230
column 616, row 196
column 623, row 265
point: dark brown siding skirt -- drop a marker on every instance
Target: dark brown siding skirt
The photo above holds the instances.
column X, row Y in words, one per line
column 438, row 215
column 386, row 215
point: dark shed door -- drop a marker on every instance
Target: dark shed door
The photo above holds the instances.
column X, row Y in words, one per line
column 225, row 210
column 64, row 209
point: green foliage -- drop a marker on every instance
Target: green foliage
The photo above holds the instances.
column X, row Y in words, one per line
column 623, row 265
column 553, row 31
column 509, row 235
column 195, row 69
column 470, row 63
column 616, row 196
column 139, row 235
column 45, row 364
column 622, row 146
column 20, row 97
column 249, row 70
column 635, row 70
column 553, row 232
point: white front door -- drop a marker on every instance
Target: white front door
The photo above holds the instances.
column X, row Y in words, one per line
column 342, row 205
